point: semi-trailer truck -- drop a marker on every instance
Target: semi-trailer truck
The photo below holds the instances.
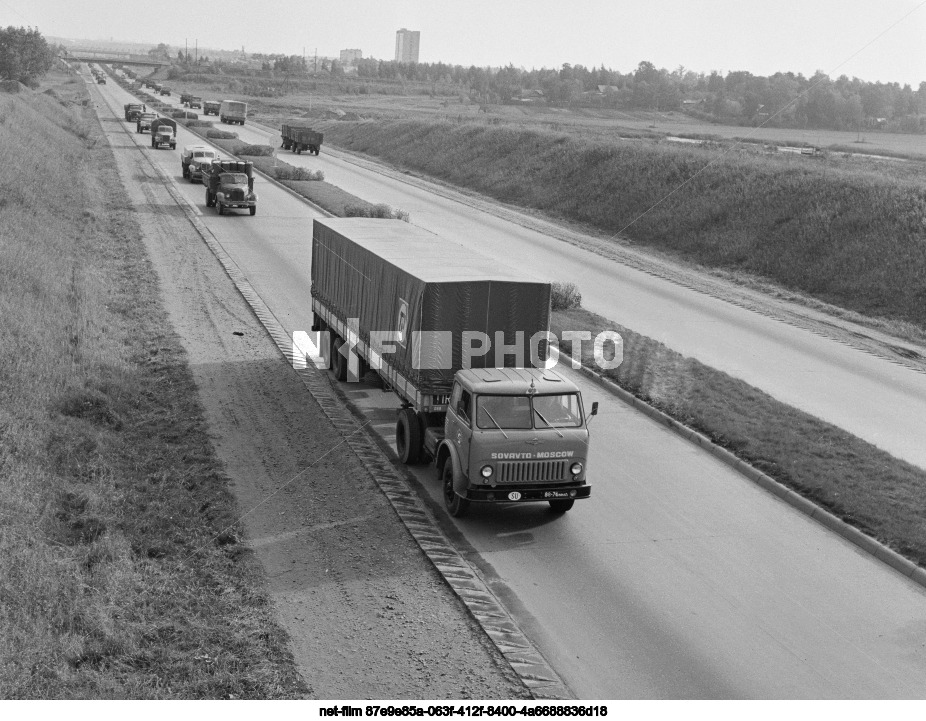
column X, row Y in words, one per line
column 462, row 342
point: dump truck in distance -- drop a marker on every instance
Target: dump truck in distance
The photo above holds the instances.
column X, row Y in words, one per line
column 163, row 132
column 185, row 98
column 229, row 184
column 211, row 107
column 298, row 137
column 233, row 111
column 462, row 342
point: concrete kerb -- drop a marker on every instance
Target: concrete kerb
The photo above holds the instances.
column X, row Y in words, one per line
column 866, row 543
column 538, row 677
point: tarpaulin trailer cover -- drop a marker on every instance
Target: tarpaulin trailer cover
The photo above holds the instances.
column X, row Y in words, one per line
column 394, row 276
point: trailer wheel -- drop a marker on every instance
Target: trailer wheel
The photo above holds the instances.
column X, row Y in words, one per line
column 408, row 436
column 456, row 505
column 339, row 362
column 562, row 505
column 220, row 207
column 208, row 198
column 186, row 171
column 253, row 210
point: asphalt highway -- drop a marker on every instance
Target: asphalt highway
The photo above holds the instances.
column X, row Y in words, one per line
column 678, row 578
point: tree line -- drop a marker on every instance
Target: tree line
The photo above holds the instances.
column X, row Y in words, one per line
column 784, row 99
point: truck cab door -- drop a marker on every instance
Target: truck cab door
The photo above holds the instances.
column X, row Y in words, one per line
column 459, row 424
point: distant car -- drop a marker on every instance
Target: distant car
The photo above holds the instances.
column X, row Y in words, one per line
column 192, row 159
column 144, row 122
column 165, row 91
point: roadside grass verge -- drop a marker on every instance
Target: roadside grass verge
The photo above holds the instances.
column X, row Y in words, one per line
column 865, row 486
column 122, row 572
column 832, row 229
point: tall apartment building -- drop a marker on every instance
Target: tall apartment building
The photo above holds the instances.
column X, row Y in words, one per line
column 350, row 56
column 406, row 46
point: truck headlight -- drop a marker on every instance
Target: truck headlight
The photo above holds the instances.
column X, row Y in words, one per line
column 575, row 469
column 486, row 471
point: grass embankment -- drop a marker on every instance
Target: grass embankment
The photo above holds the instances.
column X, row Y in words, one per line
column 119, row 579
column 866, row 487
column 854, row 238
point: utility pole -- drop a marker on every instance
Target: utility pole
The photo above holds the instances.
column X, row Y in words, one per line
column 316, row 61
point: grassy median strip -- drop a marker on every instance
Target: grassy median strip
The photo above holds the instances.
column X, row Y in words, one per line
column 866, row 487
column 120, row 576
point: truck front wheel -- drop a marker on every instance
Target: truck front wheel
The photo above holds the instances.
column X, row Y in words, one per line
column 456, row 505
column 253, row 210
column 408, row 436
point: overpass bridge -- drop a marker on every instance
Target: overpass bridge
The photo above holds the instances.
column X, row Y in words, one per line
column 89, row 55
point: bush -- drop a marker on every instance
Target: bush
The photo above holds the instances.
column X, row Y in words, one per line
column 565, row 296
column 199, row 124
column 263, row 150
column 221, row 134
column 380, row 210
column 288, row 172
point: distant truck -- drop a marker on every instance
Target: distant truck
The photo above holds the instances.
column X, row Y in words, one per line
column 193, row 158
column 298, row 137
column 144, row 121
column 165, row 91
column 229, row 184
column 101, row 79
column 233, row 111
column 163, row 132
column 133, row 110
column 196, row 102
column 211, row 107
column 417, row 310
column 185, row 98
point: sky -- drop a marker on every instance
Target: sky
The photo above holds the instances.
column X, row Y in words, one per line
column 881, row 40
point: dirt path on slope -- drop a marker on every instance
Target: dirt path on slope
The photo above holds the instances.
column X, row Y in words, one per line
column 368, row 615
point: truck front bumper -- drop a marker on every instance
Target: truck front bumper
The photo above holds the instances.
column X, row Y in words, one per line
column 519, row 494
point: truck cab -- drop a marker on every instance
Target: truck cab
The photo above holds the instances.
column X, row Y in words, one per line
column 193, row 158
column 229, row 184
column 511, row 435
column 143, row 122
column 133, row 111
column 163, row 132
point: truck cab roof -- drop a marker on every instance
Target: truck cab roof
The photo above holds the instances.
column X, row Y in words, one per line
column 514, row 381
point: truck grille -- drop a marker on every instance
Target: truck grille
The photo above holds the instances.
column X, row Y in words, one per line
column 531, row 471
column 236, row 194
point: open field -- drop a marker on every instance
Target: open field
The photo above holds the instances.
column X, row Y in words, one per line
column 122, row 575
column 446, row 103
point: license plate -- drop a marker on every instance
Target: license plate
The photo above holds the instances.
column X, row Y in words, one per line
column 556, row 494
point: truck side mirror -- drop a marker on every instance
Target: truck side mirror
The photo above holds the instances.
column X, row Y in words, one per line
column 595, row 408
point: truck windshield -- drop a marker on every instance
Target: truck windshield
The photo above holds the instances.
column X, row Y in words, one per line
column 233, row 179
column 503, row 412
column 525, row 413
column 557, row 411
